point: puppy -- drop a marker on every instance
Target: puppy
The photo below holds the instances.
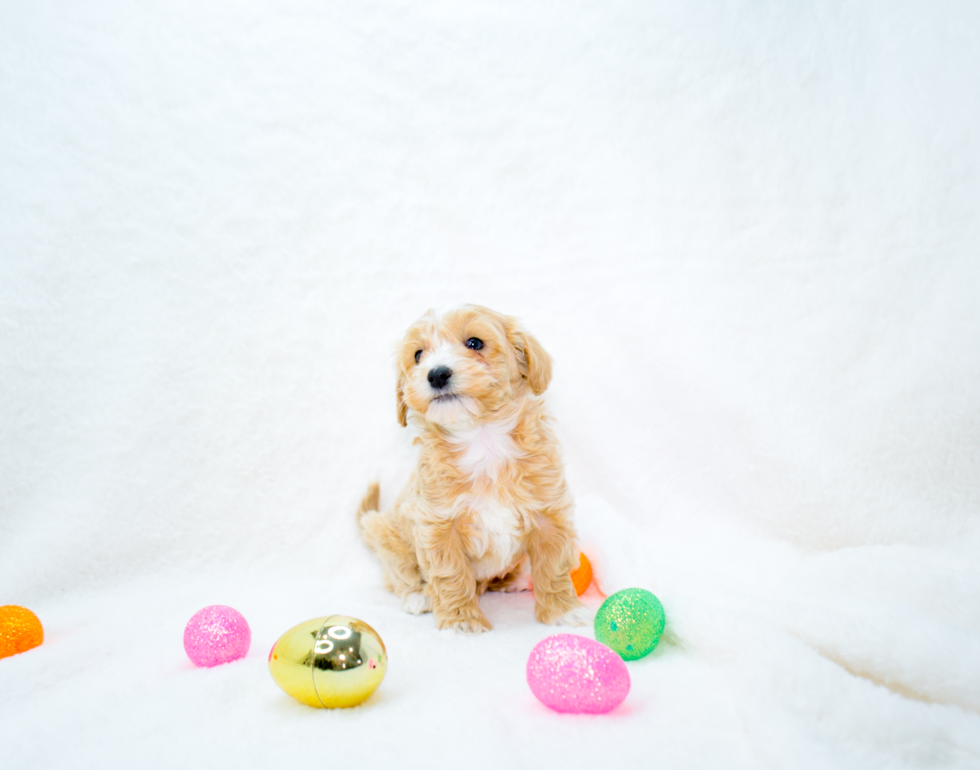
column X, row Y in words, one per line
column 489, row 492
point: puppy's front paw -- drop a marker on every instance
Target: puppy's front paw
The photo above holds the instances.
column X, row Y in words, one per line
column 472, row 627
column 416, row 603
column 465, row 621
column 578, row 616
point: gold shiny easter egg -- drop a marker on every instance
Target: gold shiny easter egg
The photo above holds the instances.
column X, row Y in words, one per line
column 333, row 662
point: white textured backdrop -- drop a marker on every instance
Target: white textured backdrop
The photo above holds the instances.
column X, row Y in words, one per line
column 747, row 232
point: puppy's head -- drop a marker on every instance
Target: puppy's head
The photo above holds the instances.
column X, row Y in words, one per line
column 461, row 366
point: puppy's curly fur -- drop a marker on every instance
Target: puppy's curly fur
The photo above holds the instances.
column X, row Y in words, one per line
column 488, row 494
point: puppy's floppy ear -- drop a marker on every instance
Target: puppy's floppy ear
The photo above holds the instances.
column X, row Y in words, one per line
column 534, row 361
column 400, row 399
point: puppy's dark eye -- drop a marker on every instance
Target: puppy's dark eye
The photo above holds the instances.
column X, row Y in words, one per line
column 474, row 343
column 418, row 356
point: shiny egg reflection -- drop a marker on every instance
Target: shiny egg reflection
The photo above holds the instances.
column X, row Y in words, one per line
column 334, row 662
column 337, row 649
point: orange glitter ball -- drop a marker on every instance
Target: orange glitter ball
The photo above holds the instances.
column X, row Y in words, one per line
column 582, row 575
column 20, row 630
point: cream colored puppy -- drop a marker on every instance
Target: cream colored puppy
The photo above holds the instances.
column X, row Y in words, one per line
column 489, row 493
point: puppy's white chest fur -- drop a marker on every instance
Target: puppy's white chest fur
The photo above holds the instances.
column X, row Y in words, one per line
column 495, row 542
column 485, row 449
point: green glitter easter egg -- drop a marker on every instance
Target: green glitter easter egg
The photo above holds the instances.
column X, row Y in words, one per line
column 630, row 621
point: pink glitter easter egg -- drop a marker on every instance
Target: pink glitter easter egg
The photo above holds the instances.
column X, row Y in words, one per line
column 573, row 674
column 216, row 635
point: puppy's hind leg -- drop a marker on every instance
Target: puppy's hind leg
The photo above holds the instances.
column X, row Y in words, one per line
column 395, row 552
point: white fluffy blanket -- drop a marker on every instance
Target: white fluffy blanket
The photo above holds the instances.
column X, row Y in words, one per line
column 747, row 232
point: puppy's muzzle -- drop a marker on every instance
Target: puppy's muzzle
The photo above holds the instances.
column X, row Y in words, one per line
column 439, row 377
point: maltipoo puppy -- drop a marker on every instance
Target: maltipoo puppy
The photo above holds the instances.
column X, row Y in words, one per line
column 488, row 494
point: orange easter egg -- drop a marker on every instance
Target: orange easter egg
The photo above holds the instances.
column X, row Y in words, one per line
column 582, row 575
column 20, row 630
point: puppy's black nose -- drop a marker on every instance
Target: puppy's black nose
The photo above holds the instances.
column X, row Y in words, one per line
column 438, row 378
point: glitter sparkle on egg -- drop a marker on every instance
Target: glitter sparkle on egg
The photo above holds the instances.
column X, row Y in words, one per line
column 215, row 635
column 576, row 675
column 20, row 630
column 631, row 622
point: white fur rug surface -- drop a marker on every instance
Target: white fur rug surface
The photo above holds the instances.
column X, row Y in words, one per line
column 746, row 232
